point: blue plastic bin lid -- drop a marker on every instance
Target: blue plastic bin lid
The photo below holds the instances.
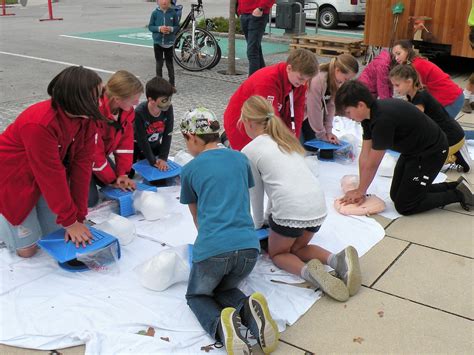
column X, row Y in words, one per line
column 152, row 173
column 125, row 197
column 63, row 252
column 323, row 145
column 262, row 233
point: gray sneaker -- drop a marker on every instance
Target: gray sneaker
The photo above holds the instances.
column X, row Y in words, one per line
column 348, row 269
column 268, row 334
column 233, row 341
column 329, row 284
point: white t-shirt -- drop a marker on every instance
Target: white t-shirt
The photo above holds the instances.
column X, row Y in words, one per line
column 293, row 191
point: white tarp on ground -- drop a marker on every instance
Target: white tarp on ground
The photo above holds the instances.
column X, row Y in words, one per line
column 45, row 307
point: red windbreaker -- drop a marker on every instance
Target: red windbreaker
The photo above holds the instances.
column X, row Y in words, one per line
column 436, row 81
column 34, row 150
column 116, row 140
column 272, row 83
column 247, row 6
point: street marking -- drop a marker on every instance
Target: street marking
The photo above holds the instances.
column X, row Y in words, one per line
column 55, row 61
column 108, row 41
column 116, row 42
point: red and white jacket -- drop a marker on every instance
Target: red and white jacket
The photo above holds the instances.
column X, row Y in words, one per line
column 272, row 83
column 118, row 141
column 44, row 152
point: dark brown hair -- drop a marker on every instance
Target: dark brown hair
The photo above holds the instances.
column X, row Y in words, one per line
column 408, row 46
column 76, row 91
column 405, row 72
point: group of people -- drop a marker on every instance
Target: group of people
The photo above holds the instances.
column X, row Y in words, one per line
column 58, row 152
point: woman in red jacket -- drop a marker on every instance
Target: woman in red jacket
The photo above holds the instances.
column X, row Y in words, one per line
column 122, row 92
column 436, row 81
column 46, row 159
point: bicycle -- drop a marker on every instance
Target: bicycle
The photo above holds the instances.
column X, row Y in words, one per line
column 195, row 48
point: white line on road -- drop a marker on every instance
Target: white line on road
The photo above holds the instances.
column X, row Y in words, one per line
column 55, row 61
column 116, row 42
column 107, row 41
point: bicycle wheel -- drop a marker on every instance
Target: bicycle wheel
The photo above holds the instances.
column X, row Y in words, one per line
column 217, row 58
column 195, row 57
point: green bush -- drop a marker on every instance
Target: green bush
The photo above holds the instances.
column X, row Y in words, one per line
column 11, row 2
column 222, row 24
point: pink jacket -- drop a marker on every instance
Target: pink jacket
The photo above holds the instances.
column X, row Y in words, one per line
column 375, row 76
column 319, row 113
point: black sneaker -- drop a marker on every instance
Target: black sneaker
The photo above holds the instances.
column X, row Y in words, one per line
column 233, row 341
column 462, row 162
column 467, row 194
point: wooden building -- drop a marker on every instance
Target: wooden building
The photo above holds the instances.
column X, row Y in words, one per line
column 448, row 24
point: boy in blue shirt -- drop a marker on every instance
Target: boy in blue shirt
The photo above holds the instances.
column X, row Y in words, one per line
column 215, row 187
column 164, row 24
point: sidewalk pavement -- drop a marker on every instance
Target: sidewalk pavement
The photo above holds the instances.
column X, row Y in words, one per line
column 417, row 294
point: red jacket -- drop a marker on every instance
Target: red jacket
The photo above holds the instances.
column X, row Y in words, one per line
column 436, row 81
column 33, row 150
column 247, row 6
column 272, row 83
column 118, row 141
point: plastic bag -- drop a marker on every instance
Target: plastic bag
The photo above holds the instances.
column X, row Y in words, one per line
column 152, row 205
column 349, row 182
column 165, row 269
column 182, row 158
column 119, row 227
column 104, row 261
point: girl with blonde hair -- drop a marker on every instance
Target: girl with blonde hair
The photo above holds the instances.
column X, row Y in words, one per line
column 296, row 204
column 115, row 134
column 320, row 108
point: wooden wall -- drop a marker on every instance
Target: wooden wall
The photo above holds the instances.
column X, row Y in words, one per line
column 448, row 24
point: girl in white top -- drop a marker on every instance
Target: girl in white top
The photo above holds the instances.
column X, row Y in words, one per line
column 296, row 206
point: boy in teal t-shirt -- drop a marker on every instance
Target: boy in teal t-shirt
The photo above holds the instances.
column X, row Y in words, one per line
column 215, row 186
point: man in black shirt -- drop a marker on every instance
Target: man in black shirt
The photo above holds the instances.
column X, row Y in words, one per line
column 400, row 126
column 153, row 124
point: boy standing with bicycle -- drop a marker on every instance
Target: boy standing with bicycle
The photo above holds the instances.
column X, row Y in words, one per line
column 164, row 24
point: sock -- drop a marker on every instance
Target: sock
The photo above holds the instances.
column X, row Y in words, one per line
column 332, row 261
column 467, row 94
column 304, row 272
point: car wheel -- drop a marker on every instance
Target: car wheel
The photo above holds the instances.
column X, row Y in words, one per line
column 353, row 24
column 328, row 18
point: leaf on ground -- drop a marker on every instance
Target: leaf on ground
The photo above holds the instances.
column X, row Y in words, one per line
column 165, row 338
column 207, row 348
column 380, row 313
column 150, row 332
column 358, row 340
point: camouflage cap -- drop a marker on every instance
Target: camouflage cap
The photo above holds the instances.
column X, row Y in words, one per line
column 199, row 121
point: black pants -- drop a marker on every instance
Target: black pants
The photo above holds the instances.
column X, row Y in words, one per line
column 412, row 189
column 254, row 28
column 168, row 55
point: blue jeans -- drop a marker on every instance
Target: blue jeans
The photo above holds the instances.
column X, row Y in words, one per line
column 454, row 108
column 213, row 286
column 254, row 28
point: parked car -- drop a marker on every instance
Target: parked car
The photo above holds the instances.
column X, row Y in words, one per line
column 332, row 12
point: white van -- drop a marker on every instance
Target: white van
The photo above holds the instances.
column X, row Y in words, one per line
column 331, row 12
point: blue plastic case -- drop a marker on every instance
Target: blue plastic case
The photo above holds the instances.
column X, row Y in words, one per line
column 152, row 173
column 125, row 197
column 63, row 252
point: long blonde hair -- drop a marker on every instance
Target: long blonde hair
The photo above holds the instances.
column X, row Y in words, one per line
column 122, row 85
column 346, row 63
column 258, row 110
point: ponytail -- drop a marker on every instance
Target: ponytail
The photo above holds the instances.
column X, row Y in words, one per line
column 258, row 110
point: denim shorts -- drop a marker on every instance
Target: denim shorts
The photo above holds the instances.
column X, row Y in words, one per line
column 40, row 221
column 290, row 232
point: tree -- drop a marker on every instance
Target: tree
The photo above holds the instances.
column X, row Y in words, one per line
column 231, row 39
